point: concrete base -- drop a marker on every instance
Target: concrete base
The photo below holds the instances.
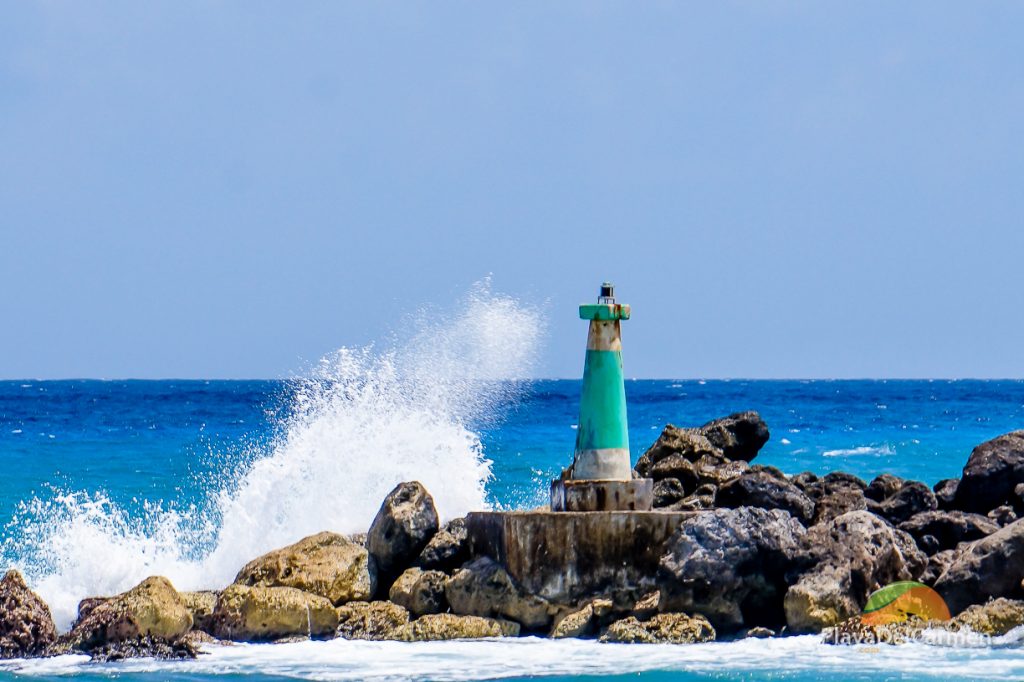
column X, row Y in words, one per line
column 594, row 496
column 568, row 556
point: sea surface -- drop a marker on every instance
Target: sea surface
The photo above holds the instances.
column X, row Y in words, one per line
column 106, row 482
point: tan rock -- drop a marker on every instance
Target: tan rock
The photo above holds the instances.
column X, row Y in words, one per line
column 421, row 592
column 26, row 626
column 584, row 622
column 665, row 628
column 483, row 588
column 996, row 617
column 201, row 605
column 379, row 620
column 152, row 608
column 326, row 564
column 246, row 613
column 445, row 626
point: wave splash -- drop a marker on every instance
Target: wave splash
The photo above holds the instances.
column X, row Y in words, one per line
column 361, row 422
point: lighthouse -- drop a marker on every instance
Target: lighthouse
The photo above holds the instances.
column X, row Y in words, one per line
column 601, row 476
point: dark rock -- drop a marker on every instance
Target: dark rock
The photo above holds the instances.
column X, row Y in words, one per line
column 668, row 492
column 937, row 564
column 761, row 488
column 837, row 503
column 483, row 588
column 739, row 436
column 840, row 480
column 144, row 647
column 948, row 528
column 448, row 549
column 732, row 566
column 985, row 569
column 26, row 626
column 913, row 498
column 406, row 522
column 945, row 493
column 804, row 480
column 856, row 554
column 883, row 487
column 421, row 592
column 992, row 472
column 676, row 467
column 702, row 498
column 716, row 470
column 687, row 443
column 1002, row 516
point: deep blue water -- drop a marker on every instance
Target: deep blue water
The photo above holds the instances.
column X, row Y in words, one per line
column 157, row 440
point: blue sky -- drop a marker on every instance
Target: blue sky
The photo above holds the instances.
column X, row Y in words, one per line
column 780, row 189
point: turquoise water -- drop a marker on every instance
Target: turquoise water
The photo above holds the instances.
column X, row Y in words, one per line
column 107, row 482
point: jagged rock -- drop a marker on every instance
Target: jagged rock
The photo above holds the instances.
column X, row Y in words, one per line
column 992, row 472
column 702, row 498
column 647, row 606
column 585, row 622
column 445, row 626
column 687, row 443
column 840, row 480
column 804, row 480
column 855, row 631
column 945, row 493
column 837, row 503
column 667, row 492
column 1002, row 516
column 665, row 628
column 883, row 487
column 716, row 470
column 731, row 565
column 379, row 620
column 247, row 614
column 948, row 528
column 201, row 605
column 937, row 564
column 929, row 544
column 86, row 606
column 987, row 568
column 739, row 436
column 326, row 564
column 152, row 609
column 144, row 647
column 401, row 530
column 760, row 633
column 913, row 498
column 995, row 618
column 856, row 554
column 421, row 592
column 764, row 489
column 483, row 588
column 448, row 549
column 676, row 467
column 26, row 626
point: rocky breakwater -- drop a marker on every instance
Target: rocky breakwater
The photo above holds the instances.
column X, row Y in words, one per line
column 733, row 549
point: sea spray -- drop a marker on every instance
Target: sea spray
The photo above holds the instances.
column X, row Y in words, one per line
column 360, row 422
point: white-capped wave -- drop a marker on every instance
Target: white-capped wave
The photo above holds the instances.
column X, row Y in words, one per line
column 874, row 450
column 361, row 422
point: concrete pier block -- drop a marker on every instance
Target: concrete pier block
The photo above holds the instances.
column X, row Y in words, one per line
column 592, row 496
column 568, row 556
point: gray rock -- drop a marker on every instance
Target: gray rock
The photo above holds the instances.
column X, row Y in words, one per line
column 985, row 569
column 483, row 588
column 739, row 436
column 913, row 498
column 945, row 493
column 448, row 549
column 856, row 554
column 763, row 489
column 937, row 565
column 948, row 528
column 732, row 565
column 403, row 527
column 26, row 626
column 992, row 472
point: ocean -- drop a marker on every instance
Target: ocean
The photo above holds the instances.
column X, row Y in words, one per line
column 107, row 482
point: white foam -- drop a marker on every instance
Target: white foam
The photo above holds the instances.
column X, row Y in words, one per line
column 362, row 422
column 456, row 661
column 875, row 450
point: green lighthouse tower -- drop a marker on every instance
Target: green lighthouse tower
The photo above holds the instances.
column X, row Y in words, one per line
column 601, row 477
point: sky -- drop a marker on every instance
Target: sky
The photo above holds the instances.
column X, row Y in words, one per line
column 779, row 189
